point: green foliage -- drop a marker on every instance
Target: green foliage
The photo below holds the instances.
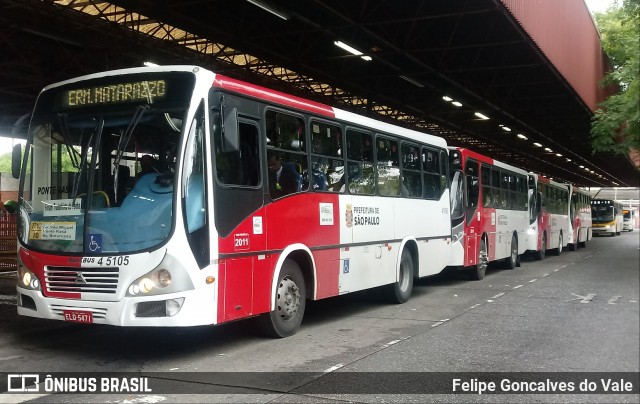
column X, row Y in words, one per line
column 615, row 127
column 67, row 166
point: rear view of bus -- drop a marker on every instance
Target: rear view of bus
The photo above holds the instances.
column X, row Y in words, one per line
column 628, row 219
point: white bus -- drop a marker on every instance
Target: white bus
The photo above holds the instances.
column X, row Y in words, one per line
column 628, row 219
column 606, row 215
column 490, row 212
column 254, row 202
column 581, row 221
column 550, row 227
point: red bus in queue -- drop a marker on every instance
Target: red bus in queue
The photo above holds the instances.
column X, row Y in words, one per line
column 490, row 212
column 251, row 201
column 550, row 223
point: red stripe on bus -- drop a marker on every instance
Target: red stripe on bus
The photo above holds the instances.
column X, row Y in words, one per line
column 269, row 95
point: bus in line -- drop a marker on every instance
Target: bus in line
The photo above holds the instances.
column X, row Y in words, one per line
column 489, row 210
column 628, row 219
column 606, row 215
column 255, row 201
column 581, row 221
column 550, row 227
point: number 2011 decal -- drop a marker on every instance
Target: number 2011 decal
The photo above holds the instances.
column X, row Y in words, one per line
column 241, row 241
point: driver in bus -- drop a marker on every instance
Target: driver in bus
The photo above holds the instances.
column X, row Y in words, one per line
column 147, row 165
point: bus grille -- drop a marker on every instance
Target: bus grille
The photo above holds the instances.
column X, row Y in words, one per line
column 81, row 280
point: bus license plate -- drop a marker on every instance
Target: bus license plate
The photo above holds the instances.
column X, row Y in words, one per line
column 78, row 316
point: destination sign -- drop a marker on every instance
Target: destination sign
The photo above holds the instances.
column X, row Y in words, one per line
column 145, row 90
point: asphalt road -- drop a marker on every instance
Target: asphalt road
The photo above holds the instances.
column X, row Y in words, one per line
column 577, row 312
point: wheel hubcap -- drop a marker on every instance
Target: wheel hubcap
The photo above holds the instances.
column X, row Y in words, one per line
column 288, row 299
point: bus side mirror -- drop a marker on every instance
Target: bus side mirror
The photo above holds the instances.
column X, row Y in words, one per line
column 231, row 137
column 16, row 161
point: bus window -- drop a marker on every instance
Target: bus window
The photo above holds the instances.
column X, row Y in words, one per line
column 432, row 174
column 411, row 178
column 360, row 175
column 473, row 189
column 239, row 167
column 286, row 157
column 327, row 166
column 485, row 179
column 388, row 167
column 194, row 190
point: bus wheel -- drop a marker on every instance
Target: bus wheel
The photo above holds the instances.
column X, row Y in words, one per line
column 512, row 261
column 477, row 273
column 290, row 303
column 400, row 291
column 559, row 249
column 583, row 244
column 543, row 248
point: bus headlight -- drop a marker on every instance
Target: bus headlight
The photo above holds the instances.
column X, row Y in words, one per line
column 27, row 279
column 160, row 281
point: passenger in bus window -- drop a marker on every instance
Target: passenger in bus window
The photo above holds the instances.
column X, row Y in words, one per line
column 147, row 165
column 284, row 178
column 275, row 170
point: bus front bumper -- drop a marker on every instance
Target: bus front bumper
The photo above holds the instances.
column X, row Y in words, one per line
column 187, row 308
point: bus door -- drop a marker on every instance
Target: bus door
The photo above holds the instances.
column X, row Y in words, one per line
column 473, row 220
column 243, row 269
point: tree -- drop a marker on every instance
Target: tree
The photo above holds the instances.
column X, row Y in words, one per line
column 615, row 127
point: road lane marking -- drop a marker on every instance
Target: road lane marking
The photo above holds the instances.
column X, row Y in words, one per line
column 517, row 287
column 545, row 275
column 474, row 306
column 498, row 295
column 614, row 300
column 533, row 280
column 9, row 300
column 583, row 299
column 332, row 368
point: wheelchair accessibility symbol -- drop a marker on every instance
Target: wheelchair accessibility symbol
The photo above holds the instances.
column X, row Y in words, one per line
column 94, row 242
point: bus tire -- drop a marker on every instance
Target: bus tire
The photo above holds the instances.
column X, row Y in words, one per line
column 478, row 272
column 290, row 299
column 512, row 261
column 558, row 250
column 583, row 244
column 540, row 254
column 400, row 291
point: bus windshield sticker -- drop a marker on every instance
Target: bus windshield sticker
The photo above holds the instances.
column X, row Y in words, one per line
column 52, row 231
column 94, row 242
column 62, row 207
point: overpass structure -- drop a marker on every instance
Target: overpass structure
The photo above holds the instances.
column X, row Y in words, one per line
column 513, row 79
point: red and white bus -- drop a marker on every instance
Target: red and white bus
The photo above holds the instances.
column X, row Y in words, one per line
column 255, row 202
column 489, row 210
column 581, row 222
column 550, row 224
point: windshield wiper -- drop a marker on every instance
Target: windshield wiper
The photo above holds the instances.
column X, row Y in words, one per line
column 123, row 142
column 71, row 151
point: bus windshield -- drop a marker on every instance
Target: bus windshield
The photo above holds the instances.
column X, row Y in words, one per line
column 602, row 213
column 100, row 162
